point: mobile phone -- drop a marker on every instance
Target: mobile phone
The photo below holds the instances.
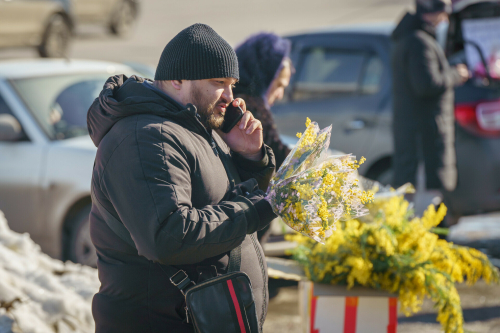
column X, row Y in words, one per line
column 232, row 116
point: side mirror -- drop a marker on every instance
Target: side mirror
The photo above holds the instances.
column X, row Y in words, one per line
column 10, row 129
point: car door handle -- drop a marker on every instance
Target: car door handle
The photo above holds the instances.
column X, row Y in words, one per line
column 356, row 124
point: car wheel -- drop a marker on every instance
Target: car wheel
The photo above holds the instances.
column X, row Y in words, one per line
column 123, row 19
column 79, row 246
column 56, row 38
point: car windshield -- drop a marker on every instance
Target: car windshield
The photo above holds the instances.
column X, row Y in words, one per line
column 60, row 103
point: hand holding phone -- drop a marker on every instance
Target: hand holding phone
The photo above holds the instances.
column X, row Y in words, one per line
column 232, row 116
column 247, row 139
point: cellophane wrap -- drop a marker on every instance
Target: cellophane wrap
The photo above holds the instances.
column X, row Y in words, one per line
column 312, row 191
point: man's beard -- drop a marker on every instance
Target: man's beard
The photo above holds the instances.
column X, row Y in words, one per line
column 206, row 110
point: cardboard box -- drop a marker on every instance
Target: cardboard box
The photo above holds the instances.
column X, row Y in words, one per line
column 334, row 309
column 328, row 308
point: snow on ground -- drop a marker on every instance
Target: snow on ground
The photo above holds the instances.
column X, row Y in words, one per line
column 39, row 294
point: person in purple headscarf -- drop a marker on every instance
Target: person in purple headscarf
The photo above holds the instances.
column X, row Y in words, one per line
column 265, row 72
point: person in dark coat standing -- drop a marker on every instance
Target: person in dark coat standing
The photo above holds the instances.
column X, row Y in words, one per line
column 423, row 83
column 265, row 72
column 187, row 193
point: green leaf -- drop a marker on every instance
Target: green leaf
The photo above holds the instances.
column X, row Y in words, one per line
column 440, row 231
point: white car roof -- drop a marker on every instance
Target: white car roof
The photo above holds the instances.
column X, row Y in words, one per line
column 16, row 69
column 376, row 28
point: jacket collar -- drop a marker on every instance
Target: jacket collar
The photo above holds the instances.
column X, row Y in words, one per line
column 124, row 96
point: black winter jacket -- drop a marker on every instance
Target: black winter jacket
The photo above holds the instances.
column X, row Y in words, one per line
column 164, row 176
column 423, row 81
column 423, row 93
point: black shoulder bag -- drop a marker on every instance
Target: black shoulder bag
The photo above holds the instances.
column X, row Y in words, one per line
column 221, row 304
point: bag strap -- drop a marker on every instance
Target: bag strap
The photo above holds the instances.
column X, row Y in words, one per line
column 179, row 278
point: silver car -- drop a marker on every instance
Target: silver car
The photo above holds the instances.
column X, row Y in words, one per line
column 44, row 24
column 49, row 25
column 46, row 155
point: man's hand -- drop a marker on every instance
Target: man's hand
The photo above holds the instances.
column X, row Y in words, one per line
column 246, row 137
column 463, row 71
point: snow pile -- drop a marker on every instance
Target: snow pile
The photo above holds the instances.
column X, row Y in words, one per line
column 39, row 294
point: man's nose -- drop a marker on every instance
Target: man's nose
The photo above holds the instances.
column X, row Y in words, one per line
column 228, row 94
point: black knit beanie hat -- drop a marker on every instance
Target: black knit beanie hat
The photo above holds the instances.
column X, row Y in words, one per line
column 433, row 6
column 197, row 53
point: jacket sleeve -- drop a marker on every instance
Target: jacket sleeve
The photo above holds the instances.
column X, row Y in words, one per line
column 427, row 76
column 148, row 183
column 262, row 170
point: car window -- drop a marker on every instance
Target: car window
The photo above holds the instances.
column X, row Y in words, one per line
column 60, row 103
column 372, row 75
column 5, row 110
column 327, row 72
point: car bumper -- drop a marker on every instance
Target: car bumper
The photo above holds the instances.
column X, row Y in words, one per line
column 478, row 164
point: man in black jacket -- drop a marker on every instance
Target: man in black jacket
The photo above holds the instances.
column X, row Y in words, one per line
column 423, row 93
column 187, row 193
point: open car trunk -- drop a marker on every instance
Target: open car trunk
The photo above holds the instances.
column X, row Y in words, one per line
column 474, row 38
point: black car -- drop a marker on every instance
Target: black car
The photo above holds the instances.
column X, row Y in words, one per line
column 343, row 78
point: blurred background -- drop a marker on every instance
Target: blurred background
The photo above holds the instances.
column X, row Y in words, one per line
column 46, row 155
column 158, row 21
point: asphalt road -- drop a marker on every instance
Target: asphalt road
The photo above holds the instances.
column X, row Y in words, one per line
column 160, row 20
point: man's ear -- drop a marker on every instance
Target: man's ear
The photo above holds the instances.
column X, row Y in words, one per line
column 177, row 84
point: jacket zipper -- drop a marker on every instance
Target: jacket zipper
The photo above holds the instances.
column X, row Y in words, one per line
column 211, row 140
column 217, row 148
column 214, row 147
column 217, row 151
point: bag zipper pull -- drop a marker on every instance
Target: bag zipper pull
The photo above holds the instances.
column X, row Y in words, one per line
column 187, row 314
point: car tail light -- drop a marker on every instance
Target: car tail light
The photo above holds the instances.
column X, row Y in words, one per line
column 480, row 118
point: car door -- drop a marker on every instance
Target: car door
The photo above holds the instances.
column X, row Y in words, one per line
column 20, row 175
column 88, row 11
column 22, row 21
column 339, row 80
